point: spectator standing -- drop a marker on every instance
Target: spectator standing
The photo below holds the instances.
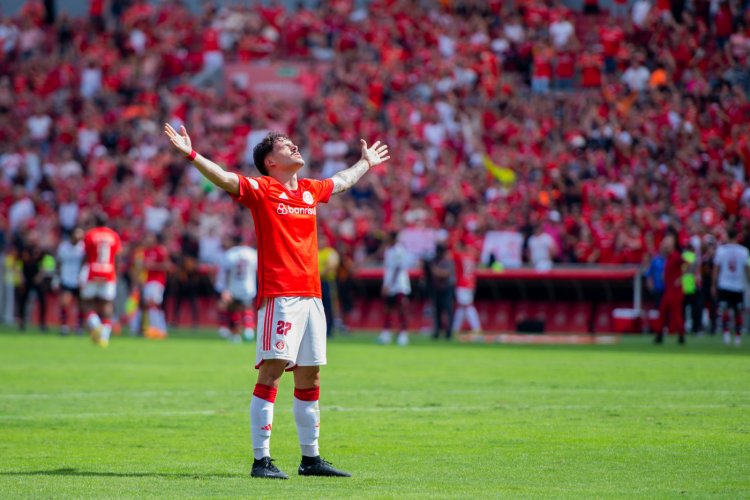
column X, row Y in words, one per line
column 691, row 290
column 442, row 288
column 396, row 289
column 32, row 280
column 670, row 309
column 541, row 248
column 328, row 264
column 654, row 276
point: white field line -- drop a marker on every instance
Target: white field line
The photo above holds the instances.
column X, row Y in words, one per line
column 498, row 391
column 375, row 409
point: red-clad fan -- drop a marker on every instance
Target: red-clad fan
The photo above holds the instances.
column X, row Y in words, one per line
column 102, row 245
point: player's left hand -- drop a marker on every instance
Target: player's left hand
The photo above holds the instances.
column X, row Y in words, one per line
column 375, row 154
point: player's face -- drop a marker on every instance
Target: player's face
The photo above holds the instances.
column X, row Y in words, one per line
column 287, row 156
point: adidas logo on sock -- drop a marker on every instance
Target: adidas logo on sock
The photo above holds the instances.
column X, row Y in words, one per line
column 267, row 427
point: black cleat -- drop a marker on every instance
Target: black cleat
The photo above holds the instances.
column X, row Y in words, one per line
column 265, row 468
column 316, row 466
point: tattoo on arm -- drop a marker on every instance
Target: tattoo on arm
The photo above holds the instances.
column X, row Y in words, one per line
column 347, row 178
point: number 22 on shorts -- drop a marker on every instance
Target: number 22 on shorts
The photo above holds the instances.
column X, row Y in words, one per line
column 283, row 327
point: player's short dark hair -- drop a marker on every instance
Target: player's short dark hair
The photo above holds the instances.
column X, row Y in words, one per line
column 732, row 232
column 263, row 148
column 100, row 219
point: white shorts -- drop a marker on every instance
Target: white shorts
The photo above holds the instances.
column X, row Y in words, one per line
column 104, row 290
column 293, row 329
column 464, row 296
column 243, row 297
column 153, row 291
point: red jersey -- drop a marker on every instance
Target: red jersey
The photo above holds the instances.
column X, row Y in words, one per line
column 466, row 268
column 673, row 272
column 152, row 256
column 101, row 245
column 286, row 225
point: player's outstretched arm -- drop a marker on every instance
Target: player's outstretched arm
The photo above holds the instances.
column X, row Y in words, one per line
column 227, row 181
column 374, row 155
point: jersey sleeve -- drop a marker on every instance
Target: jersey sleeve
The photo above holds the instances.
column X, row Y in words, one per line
column 321, row 190
column 252, row 190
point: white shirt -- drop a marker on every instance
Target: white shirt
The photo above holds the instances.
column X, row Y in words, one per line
column 636, row 78
column 640, row 12
column 540, row 251
column 396, row 270
column 68, row 214
column 91, row 82
column 560, row 32
column 732, row 261
column 156, row 218
column 70, row 257
column 39, row 126
column 20, row 211
column 240, row 266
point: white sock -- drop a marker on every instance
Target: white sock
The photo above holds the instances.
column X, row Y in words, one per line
column 106, row 331
column 93, row 321
column 458, row 319
column 261, row 420
column 307, row 417
column 473, row 316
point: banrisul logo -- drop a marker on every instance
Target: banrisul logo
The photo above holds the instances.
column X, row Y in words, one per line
column 288, row 209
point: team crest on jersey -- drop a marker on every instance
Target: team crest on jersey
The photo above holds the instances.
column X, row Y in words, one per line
column 307, row 197
column 280, row 345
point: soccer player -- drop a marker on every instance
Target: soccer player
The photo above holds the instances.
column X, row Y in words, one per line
column 156, row 263
column 291, row 327
column 239, row 267
column 396, row 289
column 730, row 278
column 466, row 282
column 70, row 254
column 101, row 245
column 670, row 309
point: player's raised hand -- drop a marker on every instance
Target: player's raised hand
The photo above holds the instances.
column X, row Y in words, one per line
column 375, row 154
column 181, row 141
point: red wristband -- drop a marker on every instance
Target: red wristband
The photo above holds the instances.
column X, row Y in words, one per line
column 192, row 155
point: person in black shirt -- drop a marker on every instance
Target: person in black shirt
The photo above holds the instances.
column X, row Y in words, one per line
column 441, row 276
column 32, row 280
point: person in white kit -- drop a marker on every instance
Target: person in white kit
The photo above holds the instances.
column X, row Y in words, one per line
column 542, row 248
column 730, row 280
column 70, row 255
column 396, row 288
column 239, row 270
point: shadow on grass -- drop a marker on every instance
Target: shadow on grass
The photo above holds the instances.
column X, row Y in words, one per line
column 83, row 473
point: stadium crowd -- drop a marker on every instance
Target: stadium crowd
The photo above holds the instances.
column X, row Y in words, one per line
column 601, row 130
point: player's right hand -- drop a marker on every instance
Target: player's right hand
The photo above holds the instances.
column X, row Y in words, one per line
column 181, row 141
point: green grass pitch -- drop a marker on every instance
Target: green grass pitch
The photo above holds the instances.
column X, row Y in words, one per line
column 169, row 419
